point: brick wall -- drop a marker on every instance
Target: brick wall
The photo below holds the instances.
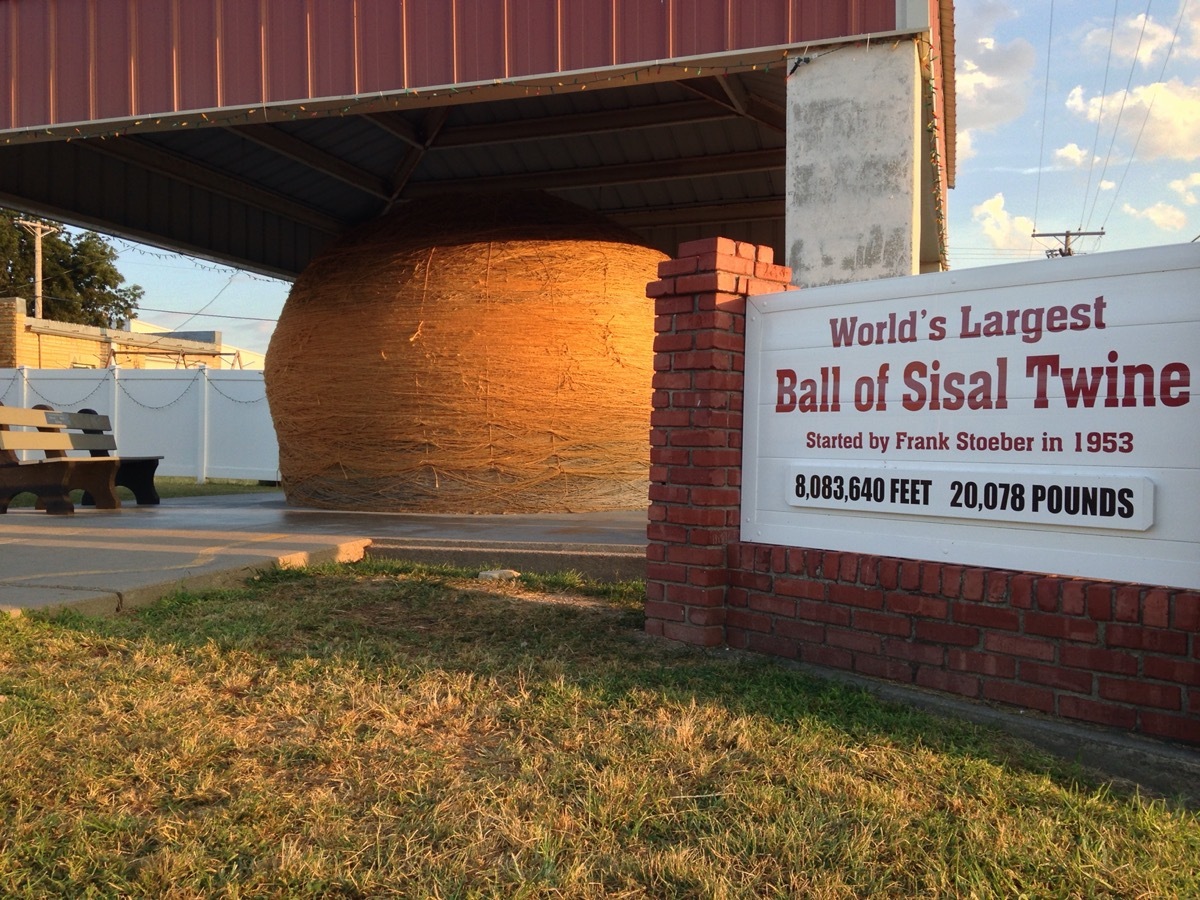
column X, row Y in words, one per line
column 1121, row 655
column 12, row 324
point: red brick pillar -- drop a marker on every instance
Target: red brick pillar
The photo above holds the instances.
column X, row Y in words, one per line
column 696, row 430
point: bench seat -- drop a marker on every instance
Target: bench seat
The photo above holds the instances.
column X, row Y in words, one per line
column 52, row 481
column 53, row 478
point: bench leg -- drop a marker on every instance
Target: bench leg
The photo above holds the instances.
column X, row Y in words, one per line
column 138, row 476
column 99, row 486
column 52, row 501
column 46, row 480
column 56, row 504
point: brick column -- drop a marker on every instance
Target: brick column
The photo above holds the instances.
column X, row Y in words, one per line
column 12, row 326
column 696, row 430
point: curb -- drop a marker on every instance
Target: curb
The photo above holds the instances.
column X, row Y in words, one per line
column 105, row 601
column 603, row 562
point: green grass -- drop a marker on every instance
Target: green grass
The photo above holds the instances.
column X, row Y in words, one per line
column 383, row 730
column 170, row 487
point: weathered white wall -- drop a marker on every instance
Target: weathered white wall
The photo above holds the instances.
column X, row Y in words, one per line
column 853, row 158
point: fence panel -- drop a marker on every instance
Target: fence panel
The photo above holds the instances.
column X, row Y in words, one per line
column 238, row 421
column 205, row 423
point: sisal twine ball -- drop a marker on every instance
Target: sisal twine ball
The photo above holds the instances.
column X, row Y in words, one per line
column 484, row 355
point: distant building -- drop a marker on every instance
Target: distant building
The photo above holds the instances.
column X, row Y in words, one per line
column 45, row 344
column 232, row 357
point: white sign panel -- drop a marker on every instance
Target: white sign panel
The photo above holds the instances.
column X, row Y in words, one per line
column 1038, row 416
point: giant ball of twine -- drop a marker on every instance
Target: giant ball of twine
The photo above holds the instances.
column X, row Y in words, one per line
column 483, row 354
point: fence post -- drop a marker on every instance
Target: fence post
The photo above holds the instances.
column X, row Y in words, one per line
column 696, row 431
column 202, row 443
column 114, row 401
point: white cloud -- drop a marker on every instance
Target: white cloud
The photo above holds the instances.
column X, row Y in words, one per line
column 1147, row 38
column 993, row 79
column 1170, row 110
column 1004, row 230
column 1072, row 154
column 1188, row 44
column 1162, row 215
column 1183, row 187
column 992, row 85
column 1107, row 185
column 964, row 145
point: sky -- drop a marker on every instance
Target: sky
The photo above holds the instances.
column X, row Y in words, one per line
column 1079, row 115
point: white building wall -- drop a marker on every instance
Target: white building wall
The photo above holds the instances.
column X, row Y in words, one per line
column 853, row 164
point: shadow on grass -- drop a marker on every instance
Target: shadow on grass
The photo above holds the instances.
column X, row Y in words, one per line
column 390, row 620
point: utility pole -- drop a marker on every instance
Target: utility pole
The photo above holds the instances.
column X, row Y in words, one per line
column 39, row 230
column 1065, row 237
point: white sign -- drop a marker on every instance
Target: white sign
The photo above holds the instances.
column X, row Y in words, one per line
column 1038, row 416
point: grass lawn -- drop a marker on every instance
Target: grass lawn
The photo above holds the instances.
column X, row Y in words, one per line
column 377, row 730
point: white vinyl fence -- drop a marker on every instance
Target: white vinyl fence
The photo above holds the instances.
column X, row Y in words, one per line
column 205, row 423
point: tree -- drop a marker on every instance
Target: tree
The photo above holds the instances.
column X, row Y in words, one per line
column 80, row 280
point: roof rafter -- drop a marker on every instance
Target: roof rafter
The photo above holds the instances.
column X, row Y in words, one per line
column 700, row 214
column 627, row 173
column 729, row 91
column 544, row 127
column 431, row 127
column 183, row 169
column 278, row 141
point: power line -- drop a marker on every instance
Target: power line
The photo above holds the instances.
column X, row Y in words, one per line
column 1112, row 36
column 1133, row 154
column 1065, row 237
column 1120, row 112
column 1037, row 196
column 180, row 312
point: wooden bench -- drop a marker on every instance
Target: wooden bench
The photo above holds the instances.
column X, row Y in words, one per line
column 53, row 478
column 135, row 472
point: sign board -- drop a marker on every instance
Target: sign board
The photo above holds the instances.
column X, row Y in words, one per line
column 1038, row 416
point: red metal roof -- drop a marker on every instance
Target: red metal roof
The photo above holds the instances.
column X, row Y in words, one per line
column 254, row 131
column 68, row 61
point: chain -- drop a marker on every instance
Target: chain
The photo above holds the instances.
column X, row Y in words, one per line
column 8, row 387
column 212, row 384
column 125, row 390
column 57, row 404
column 137, row 402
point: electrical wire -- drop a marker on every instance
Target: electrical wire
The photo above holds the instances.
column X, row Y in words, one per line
column 180, row 312
column 1037, row 195
column 1112, row 36
column 1133, row 154
column 198, row 312
column 1120, row 112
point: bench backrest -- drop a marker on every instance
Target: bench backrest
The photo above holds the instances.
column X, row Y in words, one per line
column 56, row 432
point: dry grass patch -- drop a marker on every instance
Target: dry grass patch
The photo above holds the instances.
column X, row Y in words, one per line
column 377, row 730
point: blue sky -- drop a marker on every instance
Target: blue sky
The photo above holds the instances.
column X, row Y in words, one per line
column 1075, row 115
column 1072, row 115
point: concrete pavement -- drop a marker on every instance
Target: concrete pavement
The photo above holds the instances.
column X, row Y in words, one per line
column 102, row 561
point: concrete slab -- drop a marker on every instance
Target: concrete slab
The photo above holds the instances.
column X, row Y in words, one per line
column 102, row 561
